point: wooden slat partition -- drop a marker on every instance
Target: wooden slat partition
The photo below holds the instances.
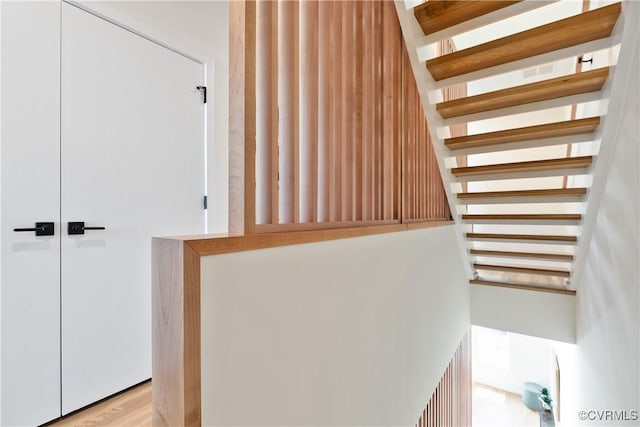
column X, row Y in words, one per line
column 339, row 129
column 450, row 403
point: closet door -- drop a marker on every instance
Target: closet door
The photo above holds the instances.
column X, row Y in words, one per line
column 30, row 191
column 133, row 163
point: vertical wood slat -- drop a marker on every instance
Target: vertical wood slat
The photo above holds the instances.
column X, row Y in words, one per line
column 346, row 100
column 296, row 111
column 337, row 118
column 419, row 118
column 242, row 111
column 325, row 11
column 368, row 110
column 274, row 146
column 309, row 110
column 389, row 45
column 358, row 90
column 266, row 111
column 416, row 157
column 410, row 153
column 397, row 146
column 375, row 98
column 288, row 110
column 405, row 135
column 421, row 188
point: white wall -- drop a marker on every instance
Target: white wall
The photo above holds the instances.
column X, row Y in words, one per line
column 347, row 332
column 535, row 313
column 200, row 29
column 608, row 355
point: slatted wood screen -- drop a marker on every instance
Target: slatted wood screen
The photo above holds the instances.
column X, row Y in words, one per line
column 340, row 137
column 450, row 403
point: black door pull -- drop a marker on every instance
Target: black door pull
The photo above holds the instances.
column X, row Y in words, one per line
column 79, row 228
column 41, row 229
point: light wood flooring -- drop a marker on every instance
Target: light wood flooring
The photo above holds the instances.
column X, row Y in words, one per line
column 129, row 409
column 491, row 408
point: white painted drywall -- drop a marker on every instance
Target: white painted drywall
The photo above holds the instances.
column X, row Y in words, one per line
column 200, row 29
column 348, row 332
column 608, row 302
column 539, row 314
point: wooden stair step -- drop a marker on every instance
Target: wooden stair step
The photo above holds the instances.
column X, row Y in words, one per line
column 572, row 84
column 524, row 196
column 523, row 287
column 437, row 15
column 514, row 254
column 540, row 238
column 568, row 165
column 525, row 270
column 538, row 132
column 582, row 28
column 522, row 218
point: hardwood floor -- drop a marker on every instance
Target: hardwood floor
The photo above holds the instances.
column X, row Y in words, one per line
column 129, row 409
column 133, row 409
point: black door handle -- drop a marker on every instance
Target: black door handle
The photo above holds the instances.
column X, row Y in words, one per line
column 41, row 229
column 79, row 228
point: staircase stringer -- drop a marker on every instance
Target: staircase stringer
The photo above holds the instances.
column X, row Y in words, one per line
column 412, row 32
column 626, row 70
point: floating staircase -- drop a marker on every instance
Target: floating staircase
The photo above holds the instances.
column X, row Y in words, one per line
column 519, row 181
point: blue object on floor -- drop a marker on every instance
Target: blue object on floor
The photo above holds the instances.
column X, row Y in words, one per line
column 530, row 394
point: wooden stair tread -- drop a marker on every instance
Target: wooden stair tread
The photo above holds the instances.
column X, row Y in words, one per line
column 530, row 166
column 523, row 287
column 536, row 217
column 514, row 254
column 437, row 15
column 533, row 237
column 525, row 193
column 582, row 28
column 549, row 130
column 572, row 84
column 526, row 270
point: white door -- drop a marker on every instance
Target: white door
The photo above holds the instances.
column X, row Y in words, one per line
column 30, row 191
column 132, row 162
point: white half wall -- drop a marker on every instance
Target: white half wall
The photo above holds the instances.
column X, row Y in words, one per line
column 539, row 314
column 349, row 332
